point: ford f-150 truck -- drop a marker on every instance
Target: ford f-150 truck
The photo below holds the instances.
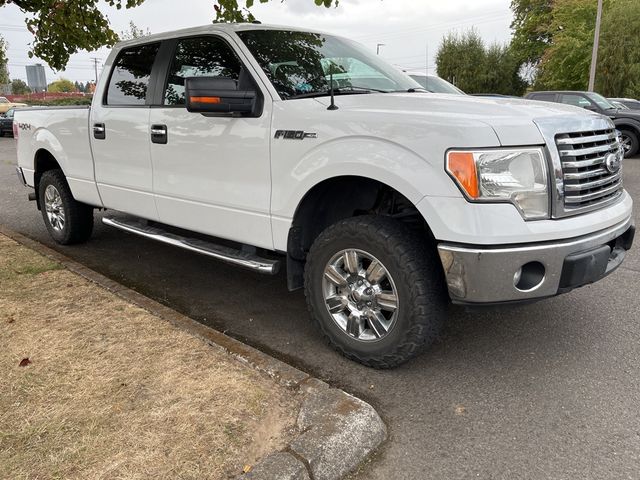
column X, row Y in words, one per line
column 263, row 146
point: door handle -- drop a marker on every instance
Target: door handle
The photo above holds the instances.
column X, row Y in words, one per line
column 159, row 134
column 99, row 131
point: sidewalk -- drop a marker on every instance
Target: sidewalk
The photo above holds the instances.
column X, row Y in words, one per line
column 92, row 386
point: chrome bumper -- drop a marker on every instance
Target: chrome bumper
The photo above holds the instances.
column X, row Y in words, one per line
column 480, row 275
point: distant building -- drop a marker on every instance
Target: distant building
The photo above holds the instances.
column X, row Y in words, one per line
column 36, row 78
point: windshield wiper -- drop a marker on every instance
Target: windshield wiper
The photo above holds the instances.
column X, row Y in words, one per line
column 346, row 90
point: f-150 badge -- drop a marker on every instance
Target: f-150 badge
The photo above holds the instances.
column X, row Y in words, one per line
column 294, row 134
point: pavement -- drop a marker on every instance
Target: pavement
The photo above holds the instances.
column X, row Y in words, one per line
column 540, row 391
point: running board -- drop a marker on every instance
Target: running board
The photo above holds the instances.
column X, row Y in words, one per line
column 219, row 252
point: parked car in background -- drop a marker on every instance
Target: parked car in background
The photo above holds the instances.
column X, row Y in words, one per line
column 618, row 105
column 6, row 123
column 5, row 104
column 627, row 121
column 433, row 83
column 627, row 102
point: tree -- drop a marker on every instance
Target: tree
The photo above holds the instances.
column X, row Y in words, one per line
column 532, row 31
column 133, row 32
column 63, row 27
column 565, row 62
column 618, row 73
column 19, row 87
column 62, row 85
column 234, row 11
column 465, row 61
column 4, row 71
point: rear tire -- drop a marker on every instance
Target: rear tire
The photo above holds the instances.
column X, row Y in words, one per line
column 630, row 143
column 67, row 220
column 388, row 299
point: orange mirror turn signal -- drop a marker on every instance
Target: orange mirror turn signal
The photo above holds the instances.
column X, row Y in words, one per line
column 205, row 99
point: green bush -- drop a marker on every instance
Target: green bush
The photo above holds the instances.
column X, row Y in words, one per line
column 61, row 101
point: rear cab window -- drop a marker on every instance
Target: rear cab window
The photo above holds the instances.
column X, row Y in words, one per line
column 129, row 80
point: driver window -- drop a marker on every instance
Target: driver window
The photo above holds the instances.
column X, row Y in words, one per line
column 199, row 57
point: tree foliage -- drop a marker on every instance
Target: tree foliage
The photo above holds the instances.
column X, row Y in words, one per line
column 618, row 72
column 532, row 32
column 566, row 61
column 19, row 87
column 467, row 62
column 239, row 10
column 133, row 32
column 62, row 85
column 4, row 71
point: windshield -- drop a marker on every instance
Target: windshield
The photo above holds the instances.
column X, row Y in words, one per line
column 599, row 100
column 299, row 64
column 4, row 100
column 435, row 84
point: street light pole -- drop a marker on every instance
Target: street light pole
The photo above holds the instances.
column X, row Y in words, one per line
column 596, row 43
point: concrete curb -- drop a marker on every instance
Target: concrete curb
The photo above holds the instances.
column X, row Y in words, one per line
column 337, row 431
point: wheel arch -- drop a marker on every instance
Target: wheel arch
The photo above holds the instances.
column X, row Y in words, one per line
column 337, row 198
column 43, row 161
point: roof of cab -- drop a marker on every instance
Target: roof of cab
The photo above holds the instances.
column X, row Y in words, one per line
column 211, row 28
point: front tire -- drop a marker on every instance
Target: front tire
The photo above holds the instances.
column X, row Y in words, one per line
column 630, row 143
column 375, row 289
column 67, row 220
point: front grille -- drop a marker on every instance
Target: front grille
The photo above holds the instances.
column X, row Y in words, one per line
column 587, row 182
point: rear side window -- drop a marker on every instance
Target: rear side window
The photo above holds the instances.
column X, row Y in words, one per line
column 199, row 57
column 130, row 76
column 544, row 97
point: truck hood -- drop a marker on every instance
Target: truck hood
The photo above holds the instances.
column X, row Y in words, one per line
column 514, row 120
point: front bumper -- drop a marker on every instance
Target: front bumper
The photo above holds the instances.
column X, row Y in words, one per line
column 481, row 275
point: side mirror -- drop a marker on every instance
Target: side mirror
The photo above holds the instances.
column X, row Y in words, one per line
column 218, row 95
column 590, row 108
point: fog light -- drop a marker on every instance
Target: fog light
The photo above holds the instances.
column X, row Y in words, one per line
column 529, row 277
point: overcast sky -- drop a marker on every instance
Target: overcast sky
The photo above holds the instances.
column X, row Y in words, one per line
column 407, row 28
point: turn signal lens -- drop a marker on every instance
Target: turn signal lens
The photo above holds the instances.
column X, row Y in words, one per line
column 462, row 166
column 205, row 99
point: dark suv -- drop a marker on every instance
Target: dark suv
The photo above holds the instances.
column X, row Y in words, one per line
column 627, row 121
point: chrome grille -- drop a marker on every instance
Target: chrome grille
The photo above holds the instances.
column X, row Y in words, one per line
column 587, row 182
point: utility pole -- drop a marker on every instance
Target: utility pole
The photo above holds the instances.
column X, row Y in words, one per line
column 596, row 43
column 95, row 66
column 378, row 48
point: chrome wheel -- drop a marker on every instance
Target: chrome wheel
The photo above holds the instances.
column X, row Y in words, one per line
column 626, row 143
column 360, row 295
column 53, row 207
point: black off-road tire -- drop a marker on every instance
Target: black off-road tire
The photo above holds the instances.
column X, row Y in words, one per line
column 413, row 263
column 78, row 224
column 635, row 143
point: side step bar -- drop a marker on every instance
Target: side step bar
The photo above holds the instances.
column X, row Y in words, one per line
column 220, row 252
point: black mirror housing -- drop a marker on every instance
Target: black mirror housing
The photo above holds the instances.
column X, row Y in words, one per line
column 218, row 95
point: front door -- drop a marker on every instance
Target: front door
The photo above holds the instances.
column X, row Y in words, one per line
column 119, row 130
column 211, row 172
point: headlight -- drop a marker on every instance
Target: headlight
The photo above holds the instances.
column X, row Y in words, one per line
column 514, row 176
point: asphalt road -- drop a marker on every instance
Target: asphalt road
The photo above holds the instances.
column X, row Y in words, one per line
column 547, row 390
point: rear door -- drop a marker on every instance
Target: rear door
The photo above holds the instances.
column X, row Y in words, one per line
column 119, row 131
column 211, row 172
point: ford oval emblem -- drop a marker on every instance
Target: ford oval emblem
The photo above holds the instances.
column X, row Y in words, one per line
column 613, row 162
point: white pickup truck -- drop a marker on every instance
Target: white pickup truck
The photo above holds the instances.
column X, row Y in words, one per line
column 262, row 145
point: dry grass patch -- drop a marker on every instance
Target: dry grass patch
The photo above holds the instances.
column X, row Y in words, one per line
column 114, row 392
